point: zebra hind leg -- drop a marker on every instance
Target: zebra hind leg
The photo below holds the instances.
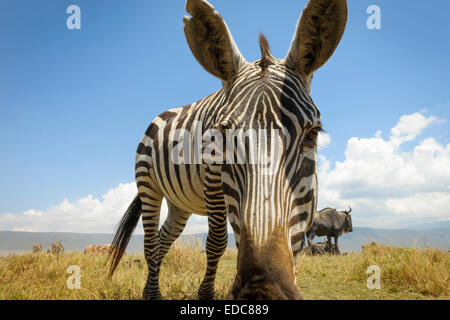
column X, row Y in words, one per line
column 216, row 244
column 151, row 206
column 171, row 230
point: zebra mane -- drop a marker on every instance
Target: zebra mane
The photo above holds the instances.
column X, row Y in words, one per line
column 266, row 55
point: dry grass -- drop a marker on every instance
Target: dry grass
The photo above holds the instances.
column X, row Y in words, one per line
column 405, row 274
column 42, row 276
column 423, row 271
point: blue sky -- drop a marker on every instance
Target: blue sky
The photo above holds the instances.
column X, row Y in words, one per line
column 74, row 104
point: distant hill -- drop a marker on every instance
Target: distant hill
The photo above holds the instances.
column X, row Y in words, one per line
column 432, row 225
column 436, row 238
column 11, row 242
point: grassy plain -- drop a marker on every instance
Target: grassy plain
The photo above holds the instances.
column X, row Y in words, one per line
column 406, row 273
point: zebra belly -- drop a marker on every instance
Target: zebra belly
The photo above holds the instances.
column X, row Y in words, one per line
column 180, row 184
column 187, row 194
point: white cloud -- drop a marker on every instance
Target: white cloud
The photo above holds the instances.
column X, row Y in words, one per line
column 88, row 215
column 386, row 186
column 24, row 230
column 84, row 215
column 33, row 212
column 324, row 140
column 409, row 127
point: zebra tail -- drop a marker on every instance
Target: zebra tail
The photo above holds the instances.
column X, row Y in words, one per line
column 123, row 234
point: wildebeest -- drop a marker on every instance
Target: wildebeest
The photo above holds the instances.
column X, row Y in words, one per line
column 97, row 249
column 320, row 248
column 57, row 248
column 330, row 223
column 37, row 248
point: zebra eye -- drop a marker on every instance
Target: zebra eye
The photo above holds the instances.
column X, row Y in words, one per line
column 311, row 138
column 313, row 134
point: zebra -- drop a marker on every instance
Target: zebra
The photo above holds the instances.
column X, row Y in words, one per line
column 269, row 213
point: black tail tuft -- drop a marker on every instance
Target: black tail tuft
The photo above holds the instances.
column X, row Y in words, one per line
column 123, row 234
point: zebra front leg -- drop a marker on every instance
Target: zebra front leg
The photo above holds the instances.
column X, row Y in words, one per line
column 216, row 244
column 234, row 222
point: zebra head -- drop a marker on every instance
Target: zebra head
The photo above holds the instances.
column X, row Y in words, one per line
column 271, row 124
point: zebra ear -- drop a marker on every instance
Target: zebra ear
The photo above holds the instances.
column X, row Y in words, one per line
column 319, row 32
column 210, row 40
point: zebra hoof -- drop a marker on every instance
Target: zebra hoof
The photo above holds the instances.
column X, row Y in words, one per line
column 209, row 295
column 146, row 295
